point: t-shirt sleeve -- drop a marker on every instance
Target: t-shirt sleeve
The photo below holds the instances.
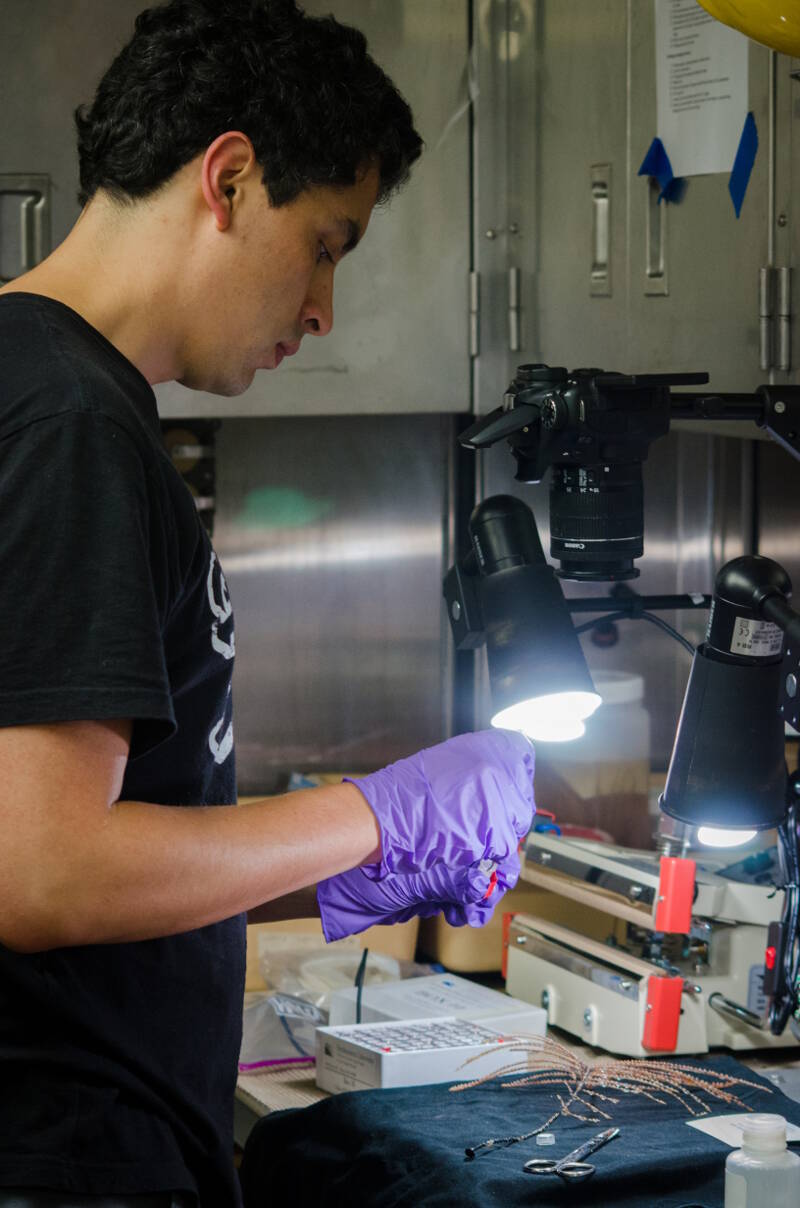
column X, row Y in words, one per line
column 80, row 600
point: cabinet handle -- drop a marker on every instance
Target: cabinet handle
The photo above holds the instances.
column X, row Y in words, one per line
column 474, row 313
column 513, row 310
column 656, row 284
column 32, row 192
column 600, row 272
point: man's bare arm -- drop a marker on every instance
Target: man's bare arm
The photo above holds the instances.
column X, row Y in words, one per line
column 300, row 905
column 78, row 866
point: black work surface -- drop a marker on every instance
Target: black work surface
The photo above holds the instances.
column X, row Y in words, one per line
column 387, row 1148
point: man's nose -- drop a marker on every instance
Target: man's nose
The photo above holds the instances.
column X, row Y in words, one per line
column 317, row 316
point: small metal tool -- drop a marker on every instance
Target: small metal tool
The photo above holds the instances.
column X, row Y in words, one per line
column 571, row 1168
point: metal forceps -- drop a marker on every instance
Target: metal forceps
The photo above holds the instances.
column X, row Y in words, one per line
column 571, row 1168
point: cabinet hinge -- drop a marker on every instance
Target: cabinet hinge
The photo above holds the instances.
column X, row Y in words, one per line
column 784, row 349
column 775, row 319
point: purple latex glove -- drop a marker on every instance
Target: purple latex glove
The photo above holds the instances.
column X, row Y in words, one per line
column 352, row 901
column 465, row 800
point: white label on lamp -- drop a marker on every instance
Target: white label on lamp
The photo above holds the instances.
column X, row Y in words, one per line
column 759, row 639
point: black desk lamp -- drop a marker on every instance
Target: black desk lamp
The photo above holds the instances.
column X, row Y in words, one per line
column 505, row 594
column 727, row 770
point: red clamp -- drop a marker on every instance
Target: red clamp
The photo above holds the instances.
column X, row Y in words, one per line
column 675, row 895
column 663, row 1014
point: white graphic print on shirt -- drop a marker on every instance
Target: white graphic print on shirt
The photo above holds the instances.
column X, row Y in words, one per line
column 220, row 603
column 221, row 609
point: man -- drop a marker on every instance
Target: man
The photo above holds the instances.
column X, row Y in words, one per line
column 232, row 156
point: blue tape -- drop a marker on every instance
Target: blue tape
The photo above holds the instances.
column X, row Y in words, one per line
column 656, row 163
column 743, row 164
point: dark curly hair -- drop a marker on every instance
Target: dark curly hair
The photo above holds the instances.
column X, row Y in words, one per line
column 304, row 89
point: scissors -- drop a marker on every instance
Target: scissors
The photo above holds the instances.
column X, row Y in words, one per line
column 571, row 1168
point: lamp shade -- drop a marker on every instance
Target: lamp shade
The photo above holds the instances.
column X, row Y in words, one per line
column 539, row 679
column 728, row 768
column 531, row 644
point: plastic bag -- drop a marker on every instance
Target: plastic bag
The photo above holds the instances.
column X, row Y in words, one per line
column 278, row 1031
column 308, row 968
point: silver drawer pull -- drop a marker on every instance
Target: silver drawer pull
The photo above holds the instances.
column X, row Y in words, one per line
column 30, row 195
column 600, row 272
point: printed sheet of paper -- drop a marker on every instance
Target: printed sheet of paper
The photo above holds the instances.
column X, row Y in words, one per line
column 701, row 83
column 728, row 1129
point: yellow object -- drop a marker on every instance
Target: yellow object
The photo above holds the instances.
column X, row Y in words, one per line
column 776, row 23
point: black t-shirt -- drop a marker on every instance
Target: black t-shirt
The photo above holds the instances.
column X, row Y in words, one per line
column 117, row 1061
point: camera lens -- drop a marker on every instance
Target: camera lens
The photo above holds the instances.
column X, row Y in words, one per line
column 596, row 520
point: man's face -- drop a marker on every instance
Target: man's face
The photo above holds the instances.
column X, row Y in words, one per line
column 268, row 281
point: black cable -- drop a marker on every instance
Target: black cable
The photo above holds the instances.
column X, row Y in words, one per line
column 645, row 616
column 359, row 982
column 606, row 620
column 662, row 624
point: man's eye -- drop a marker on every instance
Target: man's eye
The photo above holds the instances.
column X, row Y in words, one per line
column 323, row 253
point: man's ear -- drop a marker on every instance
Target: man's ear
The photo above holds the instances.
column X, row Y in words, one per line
column 225, row 164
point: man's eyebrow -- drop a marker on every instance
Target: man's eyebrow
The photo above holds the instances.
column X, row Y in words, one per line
column 351, row 232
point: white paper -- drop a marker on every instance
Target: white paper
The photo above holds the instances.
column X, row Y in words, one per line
column 728, row 1129
column 701, row 85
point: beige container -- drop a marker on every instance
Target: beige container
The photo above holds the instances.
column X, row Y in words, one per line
column 480, row 949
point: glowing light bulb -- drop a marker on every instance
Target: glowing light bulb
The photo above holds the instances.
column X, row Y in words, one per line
column 558, row 717
column 713, row 836
column 564, row 731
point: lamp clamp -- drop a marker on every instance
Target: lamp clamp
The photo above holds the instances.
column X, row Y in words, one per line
column 781, row 415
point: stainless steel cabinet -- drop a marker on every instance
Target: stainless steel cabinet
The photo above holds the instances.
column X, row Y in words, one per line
column 707, row 317
column 551, row 227
column 606, row 275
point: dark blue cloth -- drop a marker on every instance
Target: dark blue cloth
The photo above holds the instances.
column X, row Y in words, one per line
column 391, row 1148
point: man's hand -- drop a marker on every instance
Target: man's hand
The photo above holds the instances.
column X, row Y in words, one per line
column 465, row 800
column 352, row 901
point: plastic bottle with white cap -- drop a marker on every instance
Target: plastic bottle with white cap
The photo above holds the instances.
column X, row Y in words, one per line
column 763, row 1173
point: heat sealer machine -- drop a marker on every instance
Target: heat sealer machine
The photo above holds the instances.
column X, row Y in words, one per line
column 686, row 957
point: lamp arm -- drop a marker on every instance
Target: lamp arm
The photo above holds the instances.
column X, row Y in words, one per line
column 776, row 609
column 631, row 604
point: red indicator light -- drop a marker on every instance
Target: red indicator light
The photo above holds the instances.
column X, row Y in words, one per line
column 769, row 958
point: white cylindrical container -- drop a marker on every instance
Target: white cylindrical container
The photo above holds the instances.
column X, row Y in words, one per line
column 601, row 781
column 763, row 1173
